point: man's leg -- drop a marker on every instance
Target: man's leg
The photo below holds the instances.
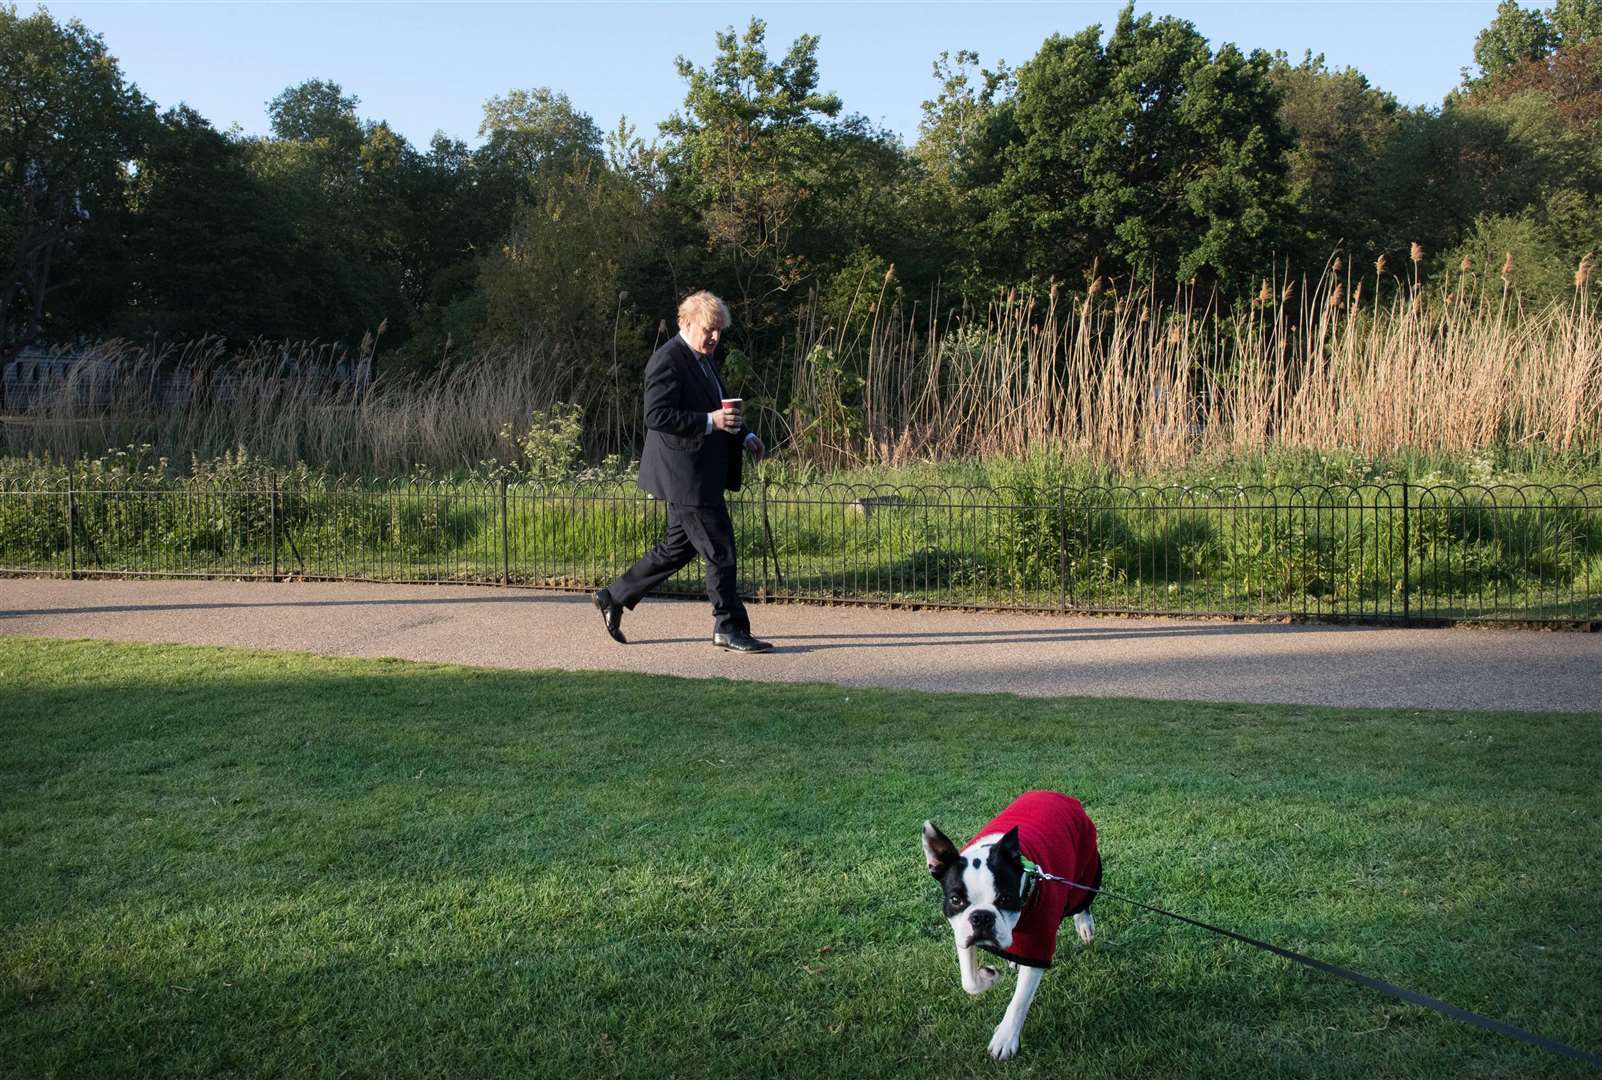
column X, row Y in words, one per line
column 656, row 565
column 711, row 530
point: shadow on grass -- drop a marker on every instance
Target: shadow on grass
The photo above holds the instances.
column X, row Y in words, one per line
column 269, row 864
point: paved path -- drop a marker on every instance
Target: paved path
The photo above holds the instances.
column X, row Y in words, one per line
column 852, row 646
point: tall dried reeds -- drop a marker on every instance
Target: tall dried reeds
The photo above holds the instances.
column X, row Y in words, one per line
column 1136, row 382
column 1122, row 377
column 284, row 404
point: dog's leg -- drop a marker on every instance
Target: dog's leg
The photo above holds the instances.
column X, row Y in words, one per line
column 1086, row 926
column 1004, row 1043
column 975, row 980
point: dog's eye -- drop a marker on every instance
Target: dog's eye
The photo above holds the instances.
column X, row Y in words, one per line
column 956, row 901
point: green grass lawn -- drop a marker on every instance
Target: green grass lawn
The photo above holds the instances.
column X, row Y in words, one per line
column 238, row 863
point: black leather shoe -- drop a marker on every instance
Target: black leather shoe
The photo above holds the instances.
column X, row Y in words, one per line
column 611, row 616
column 740, row 641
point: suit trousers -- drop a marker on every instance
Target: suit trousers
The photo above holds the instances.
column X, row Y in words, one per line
column 704, row 530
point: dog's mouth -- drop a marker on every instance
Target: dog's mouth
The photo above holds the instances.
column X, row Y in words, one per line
column 981, row 939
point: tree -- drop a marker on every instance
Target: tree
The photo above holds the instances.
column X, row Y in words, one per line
column 315, row 109
column 343, row 184
column 958, row 154
column 68, row 127
column 1341, row 126
column 745, row 157
column 1517, row 37
column 207, row 251
column 537, row 133
column 1576, row 22
column 1540, row 193
column 1152, row 154
column 1513, row 37
column 532, row 140
column 956, row 136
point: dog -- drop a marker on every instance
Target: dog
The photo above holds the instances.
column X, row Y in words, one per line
column 1000, row 894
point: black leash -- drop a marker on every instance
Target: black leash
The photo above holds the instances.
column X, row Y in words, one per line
column 1445, row 1008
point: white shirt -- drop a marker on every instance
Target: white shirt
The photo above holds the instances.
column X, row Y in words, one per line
column 706, row 363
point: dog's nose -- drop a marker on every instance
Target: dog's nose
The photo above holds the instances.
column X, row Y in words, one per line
column 982, row 921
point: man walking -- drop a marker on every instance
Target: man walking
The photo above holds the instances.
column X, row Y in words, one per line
column 694, row 435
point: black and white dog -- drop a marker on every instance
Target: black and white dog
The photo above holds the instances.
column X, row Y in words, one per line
column 1010, row 888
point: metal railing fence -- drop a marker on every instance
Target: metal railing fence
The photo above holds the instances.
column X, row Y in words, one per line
column 1398, row 552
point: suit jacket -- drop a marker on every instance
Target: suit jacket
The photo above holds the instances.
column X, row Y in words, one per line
column 682, row 462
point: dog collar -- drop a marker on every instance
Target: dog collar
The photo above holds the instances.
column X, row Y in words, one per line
column 1031, row 876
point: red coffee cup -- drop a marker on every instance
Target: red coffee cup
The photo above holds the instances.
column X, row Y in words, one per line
column 733, row 404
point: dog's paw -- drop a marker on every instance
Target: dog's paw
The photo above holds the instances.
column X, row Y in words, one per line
column 983, row 980
column 1004, row 1043
column 1085, row 925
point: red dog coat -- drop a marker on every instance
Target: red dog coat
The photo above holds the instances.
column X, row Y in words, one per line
column 1055, row 834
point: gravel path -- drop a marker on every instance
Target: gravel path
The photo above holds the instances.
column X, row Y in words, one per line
column 852, row 646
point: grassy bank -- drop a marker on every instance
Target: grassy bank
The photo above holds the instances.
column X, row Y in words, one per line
column 254, row 864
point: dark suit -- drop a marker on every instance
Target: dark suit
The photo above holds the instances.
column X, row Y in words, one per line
column 688, row 468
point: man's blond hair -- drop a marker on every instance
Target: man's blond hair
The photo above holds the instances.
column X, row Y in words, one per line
column 704, row 309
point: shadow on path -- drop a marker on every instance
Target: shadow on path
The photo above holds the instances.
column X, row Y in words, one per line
column 120, row 609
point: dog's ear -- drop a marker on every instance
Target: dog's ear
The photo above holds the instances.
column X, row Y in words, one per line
column 1007, row 847
column 938, row 851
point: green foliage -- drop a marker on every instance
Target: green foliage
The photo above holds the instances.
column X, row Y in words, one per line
column 1514, row 37
column 1048, row 531
column 1150, row 155
column 68, row 127
column 1341, row 126
column 551, row 448
column 1542, row 270
column 1047, row 521
column 1151, row 152
column 535, row 132
column 208, row 244
column 532, row 140
column 345, row 199
column 828, row 412
column 744, row 156
column 555, row 276
column 315, row 109
column 1576, row 22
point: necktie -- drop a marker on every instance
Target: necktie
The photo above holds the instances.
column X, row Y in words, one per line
column 711, row 376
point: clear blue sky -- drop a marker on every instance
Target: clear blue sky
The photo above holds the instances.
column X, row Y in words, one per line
column 430, row 66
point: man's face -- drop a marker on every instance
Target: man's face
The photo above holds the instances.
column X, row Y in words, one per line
column 703, row 338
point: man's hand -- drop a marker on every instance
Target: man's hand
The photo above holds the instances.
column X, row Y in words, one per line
column 729, row 420
column 754, row 447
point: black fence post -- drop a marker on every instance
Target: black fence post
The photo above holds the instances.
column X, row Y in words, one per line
column 764, row 493
column 274, row 526
column 1062, row 550
column 72, row 534
column 506, row 547
column 1407, row 557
